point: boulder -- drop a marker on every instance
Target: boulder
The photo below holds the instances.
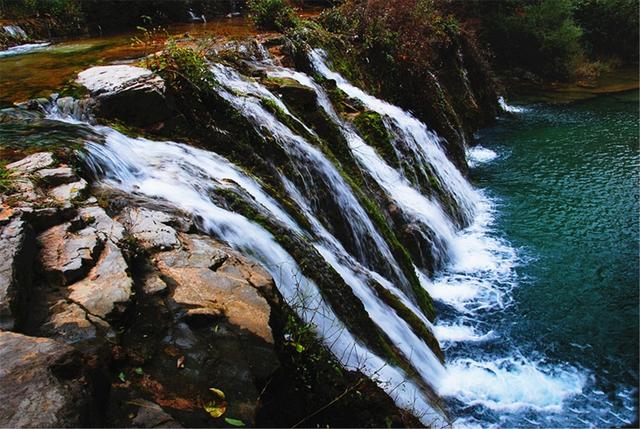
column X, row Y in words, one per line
column 56, row 176
column 213, row 281
column 70, row 191
column 17, row 252
column 39, row 386
column 67, row 254
column 301, row 97
column 150, row 228
column 107, row 228
column 151, row 415
column 132, row 94
column 107, row 288
column 31, row 163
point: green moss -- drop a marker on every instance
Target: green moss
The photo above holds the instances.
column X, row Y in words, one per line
column 417, row 326
column 6, row 181
column 373, row 131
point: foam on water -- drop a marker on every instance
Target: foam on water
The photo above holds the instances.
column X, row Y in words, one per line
column 477, row 155
column 509, row 108
column 23, row 49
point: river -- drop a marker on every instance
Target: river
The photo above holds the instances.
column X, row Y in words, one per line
column 564, row 179
column 538, row 308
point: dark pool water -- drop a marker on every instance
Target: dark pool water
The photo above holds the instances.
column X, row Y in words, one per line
column 565, row 181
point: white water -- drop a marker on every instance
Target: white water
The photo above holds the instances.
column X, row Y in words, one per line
column 424, row 143
column 23, row 49
column 476, row 281
column 15, row 31
column 182, row 175
column 509, row 108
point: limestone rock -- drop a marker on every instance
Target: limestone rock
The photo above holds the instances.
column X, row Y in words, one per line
column 151, row 415
column 107, row 228
column 215, row 282
column 150, row 228
column 107, row 288
column 31, row 163
column 56, row 176
column 17, row 251
column 66, row 255
column 68, row 192
column 132, row 94
column 33, row 392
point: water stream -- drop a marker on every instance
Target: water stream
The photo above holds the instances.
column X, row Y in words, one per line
column 537, row 283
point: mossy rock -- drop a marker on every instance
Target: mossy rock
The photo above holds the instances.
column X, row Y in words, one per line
column 372, row 129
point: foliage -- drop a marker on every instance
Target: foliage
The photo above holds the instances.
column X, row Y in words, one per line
column 405, row 33
column 272, row 15
column 6, row 181
column 610, row 27
column 180, row 65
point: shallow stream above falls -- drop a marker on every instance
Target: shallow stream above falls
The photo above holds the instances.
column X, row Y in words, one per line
column 537, row 302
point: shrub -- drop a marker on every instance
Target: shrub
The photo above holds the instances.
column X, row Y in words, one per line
column 180, row 65
column 272, row 14
column 541, row 37
column 610, row 27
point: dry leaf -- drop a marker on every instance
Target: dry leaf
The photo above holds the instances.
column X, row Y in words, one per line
column 214, row 409
column 180, row 363
column 219, row 393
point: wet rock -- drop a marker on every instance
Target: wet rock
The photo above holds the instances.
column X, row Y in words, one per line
column 133, row 94
column 56, row 176
column 150, row 228
column 107, row 288
column 69, row 192
column 211, row 281
column 38, row 387
column 17, row 252
column 151, row 415
column 300, row 96
column 66, row 255
column 31, row 163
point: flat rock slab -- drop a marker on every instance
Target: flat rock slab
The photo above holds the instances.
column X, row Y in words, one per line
column 31, row 395
column 67, row 255
column 107, row 288
column 150, row 229
column 103, row 79
column 56, row 176
column 107, row 228
column 210, row 281
column 70, row 191
column 132, row 94
column 32, row 163
column 151, row 415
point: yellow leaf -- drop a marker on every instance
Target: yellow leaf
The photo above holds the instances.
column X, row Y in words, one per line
column 217, row 392
column 214, row 409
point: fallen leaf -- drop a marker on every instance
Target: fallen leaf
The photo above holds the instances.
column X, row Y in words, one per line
column 217, row 392
column 138, row 371
column 234, row 422
column 214, row 409
column 122, row 377
column 180, row 363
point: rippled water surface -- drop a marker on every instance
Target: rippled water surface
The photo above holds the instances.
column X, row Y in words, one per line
column 565, row 182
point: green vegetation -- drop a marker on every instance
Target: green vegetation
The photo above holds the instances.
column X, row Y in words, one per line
column 272, row 14
column 6, row 181
column 373, row 131
column 180, row 65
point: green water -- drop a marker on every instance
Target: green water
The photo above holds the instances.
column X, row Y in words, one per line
column 566, row 182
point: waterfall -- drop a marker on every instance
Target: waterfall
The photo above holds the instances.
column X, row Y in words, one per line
column 477, row 268
column 15, row 32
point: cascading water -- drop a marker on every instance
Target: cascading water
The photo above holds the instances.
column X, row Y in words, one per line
column 487, row 379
